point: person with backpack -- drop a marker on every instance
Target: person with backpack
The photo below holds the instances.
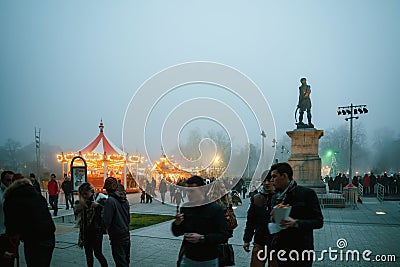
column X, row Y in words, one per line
column 91, row 227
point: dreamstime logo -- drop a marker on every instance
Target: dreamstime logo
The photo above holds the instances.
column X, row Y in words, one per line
column 142, row 129
column 332, row 254
column 341, row 243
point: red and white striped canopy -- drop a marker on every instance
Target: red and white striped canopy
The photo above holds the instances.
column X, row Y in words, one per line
column 101, row 145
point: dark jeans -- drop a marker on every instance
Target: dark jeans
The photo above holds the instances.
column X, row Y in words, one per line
column 121, row 251
column 69, row 199
column 53, row 200
column 94, row 244
column 39, row 253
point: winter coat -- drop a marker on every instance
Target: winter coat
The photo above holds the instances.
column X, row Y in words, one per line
column 307, row 211
column 257, row 220
column 207, row 220
column 26, row 213
column 53, row 187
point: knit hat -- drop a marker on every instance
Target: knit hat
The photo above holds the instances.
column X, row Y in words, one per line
column 110, row 184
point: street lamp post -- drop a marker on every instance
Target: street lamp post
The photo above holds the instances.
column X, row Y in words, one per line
column 351, row 111
column 262, row 148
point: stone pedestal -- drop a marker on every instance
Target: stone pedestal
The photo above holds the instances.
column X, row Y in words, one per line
column 305, row 160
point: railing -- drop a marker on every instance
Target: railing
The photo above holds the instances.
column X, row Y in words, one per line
column 380, row 192
column 350, row 197
column 331, row 200
column 346, row 197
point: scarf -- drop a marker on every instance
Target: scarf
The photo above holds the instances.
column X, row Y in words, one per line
column 281, row 196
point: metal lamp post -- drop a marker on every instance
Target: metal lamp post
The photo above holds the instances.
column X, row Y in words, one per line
column 351, row 111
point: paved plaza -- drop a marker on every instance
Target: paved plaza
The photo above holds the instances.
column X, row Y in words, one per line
column 155, row 245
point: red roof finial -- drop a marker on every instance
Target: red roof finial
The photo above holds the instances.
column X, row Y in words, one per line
column 101, row 126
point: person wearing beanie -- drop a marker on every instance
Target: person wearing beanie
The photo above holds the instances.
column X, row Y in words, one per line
column 116, row 219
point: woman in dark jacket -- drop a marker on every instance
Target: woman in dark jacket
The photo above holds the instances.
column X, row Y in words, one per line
column 91, row 228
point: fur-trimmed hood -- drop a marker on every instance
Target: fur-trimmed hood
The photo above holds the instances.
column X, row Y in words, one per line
column 16, row 185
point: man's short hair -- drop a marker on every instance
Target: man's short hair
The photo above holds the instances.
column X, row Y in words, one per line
column 53, row 175
column 303, row 79
column 3, row 174
column 283, row 167
column 32, row 175
column 197, row 180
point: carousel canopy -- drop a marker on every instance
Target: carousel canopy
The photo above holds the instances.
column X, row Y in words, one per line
column 101, row 144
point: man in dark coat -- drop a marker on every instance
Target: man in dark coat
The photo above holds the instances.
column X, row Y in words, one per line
column 257, row 218
column 304, row 217
column 27, row 216
column 203, row 226
column 162, row 189
column 35, row 183
column 67, row 187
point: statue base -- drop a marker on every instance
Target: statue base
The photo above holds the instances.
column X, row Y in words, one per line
column 305, row 160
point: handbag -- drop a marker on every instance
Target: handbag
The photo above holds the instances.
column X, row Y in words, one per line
column 231, row 220
column 226, row 255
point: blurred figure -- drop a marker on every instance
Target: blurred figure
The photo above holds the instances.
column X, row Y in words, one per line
column 372, row 183
column 203, row 226
column 178, row 197
column 54, row 189
column 6, row 258
column 253, row 191
column 23, row 204
column 90, row 224
column 244, row 190
column 223, row 198
column 366, row 184
column 143, row 197
column 67, row 187
column 162, row 188
column 35, row 183
column 116, row 219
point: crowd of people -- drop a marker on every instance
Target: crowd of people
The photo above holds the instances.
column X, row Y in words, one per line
column 369, row 182
column 206, row 228
column 25, row 218
column 206, row 220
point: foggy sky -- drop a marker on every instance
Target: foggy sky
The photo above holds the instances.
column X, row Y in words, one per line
column 67, row 64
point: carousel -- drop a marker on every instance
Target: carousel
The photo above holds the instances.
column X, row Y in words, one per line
column 169, row 170
column 105, row 159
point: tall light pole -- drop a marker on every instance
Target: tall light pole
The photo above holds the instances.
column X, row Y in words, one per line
column 262, row 149
column 351, row 111
column 274, row 144
column 37, row 145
